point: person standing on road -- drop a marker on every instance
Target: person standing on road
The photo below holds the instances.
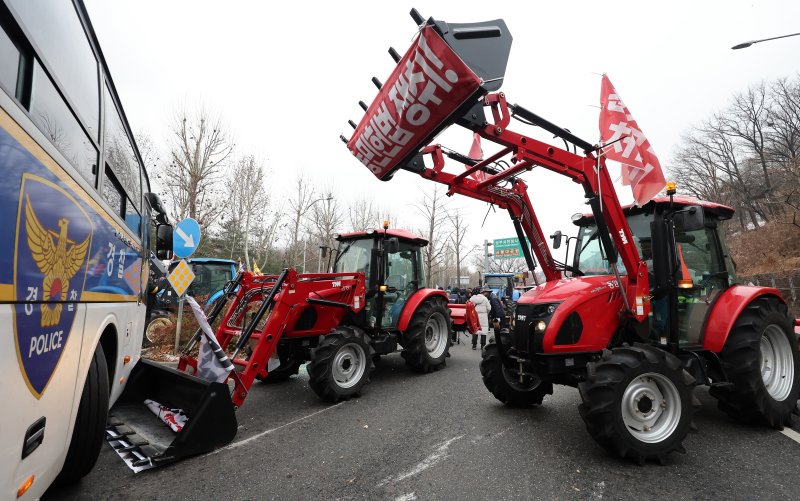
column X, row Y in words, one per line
column 482, row 307
column 497, row 313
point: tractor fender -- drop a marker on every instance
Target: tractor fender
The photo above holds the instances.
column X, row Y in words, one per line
column 414, row 301
column 727, row 308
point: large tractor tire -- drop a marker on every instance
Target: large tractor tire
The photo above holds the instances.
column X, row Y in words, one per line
column 341, row 365
column 505, row 386
column 428, row 337
column 90, row 424
column 638, row 402
column 761, row 362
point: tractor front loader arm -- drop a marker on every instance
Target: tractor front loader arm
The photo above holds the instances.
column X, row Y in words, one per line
column 447, row 77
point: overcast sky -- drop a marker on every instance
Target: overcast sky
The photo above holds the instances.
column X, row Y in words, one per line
column 286, row 76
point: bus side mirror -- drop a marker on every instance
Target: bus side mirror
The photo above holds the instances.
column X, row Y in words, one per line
column 164, row 241
column 556, row 239
column 689, row 219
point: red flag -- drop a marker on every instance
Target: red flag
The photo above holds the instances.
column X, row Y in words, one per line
column 640, row 167
column 476, row 153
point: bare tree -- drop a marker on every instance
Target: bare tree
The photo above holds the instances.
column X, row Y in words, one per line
column 298, row 207
column 432, row 208
column 363, row 215
column 327, row 219
column 267, row 233
column 249, row 199
column 457, row 242
column 199, row 152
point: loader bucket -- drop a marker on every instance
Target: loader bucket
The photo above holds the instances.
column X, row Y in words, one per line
column 144, row 441
column 444, row 73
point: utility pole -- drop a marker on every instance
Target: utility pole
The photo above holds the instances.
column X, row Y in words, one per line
column 486, row 256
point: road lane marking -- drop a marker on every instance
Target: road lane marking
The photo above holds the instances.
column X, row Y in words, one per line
column 439, row 454
column 411, row 496
column 267, row 432
column 791, row 434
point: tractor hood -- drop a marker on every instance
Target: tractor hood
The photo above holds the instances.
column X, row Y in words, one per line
column 570, row 307
column 570, row 289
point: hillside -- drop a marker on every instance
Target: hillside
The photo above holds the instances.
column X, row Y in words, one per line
column 773, row 248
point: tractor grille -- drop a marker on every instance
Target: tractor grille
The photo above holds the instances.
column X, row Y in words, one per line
column 524, row 339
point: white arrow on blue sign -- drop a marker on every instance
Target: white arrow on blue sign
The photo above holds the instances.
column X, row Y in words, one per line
column 185, row 238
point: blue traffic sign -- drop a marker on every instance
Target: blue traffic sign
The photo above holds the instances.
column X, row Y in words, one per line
column 185, row 238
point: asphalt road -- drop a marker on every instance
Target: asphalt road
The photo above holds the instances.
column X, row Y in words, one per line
column 443, row 436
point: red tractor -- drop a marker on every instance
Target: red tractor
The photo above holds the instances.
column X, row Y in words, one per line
column 636, row 336
column 341, row 322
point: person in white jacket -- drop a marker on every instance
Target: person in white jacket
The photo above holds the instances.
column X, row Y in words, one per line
column 482, row 307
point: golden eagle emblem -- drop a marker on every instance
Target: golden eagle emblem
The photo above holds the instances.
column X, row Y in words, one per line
column 55, row 260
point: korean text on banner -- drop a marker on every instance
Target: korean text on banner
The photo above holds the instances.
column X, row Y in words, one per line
column 429, row 83
column 640, row 166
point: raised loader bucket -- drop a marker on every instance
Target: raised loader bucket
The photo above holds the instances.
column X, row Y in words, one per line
column 445, row 72
column 145, row 441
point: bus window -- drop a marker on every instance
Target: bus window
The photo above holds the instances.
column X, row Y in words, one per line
column 59, row 125
column 58, row 33
column 113, row 194
column 119, row 155
column 9, row 63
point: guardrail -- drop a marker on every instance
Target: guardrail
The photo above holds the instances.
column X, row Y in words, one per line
column 788, row 282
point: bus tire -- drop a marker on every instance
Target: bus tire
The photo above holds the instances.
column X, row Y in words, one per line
column 90, row 424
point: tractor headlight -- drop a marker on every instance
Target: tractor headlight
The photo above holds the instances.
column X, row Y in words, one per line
column 540, row 326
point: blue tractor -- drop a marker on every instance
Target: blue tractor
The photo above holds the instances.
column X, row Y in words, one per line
column 502, row 285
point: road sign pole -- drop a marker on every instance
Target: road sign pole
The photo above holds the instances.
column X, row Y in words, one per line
column 178, row 325
column 486, row 245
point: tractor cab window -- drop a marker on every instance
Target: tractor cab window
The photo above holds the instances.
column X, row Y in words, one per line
column 353, row 256
column 401, row 281
column 700, row 260
column 590, row 257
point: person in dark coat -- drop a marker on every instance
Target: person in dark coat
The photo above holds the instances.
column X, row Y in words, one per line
column 497, row 313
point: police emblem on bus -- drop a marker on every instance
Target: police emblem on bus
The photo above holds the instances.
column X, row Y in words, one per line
column 53, row 241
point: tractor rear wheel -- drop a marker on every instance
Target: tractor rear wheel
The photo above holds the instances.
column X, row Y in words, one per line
column 341, row 365
column 761, row 362
column 505, row 386
column 638, row 402
column 427, row 340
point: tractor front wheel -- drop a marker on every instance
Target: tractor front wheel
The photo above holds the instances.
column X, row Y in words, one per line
column 761, row 363
column 341, row 364
column 506, row 386
column 638, row 402
column 427, row 339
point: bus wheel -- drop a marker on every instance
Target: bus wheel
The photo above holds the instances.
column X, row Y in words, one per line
column 90, row 424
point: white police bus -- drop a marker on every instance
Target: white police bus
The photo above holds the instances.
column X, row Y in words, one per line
column 75, row 237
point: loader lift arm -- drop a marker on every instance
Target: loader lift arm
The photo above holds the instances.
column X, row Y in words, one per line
column 439, row 43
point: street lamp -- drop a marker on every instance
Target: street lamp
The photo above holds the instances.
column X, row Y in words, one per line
column 744, row 45
column 305, row 241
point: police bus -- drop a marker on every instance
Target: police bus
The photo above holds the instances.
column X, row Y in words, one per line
column 77, row 226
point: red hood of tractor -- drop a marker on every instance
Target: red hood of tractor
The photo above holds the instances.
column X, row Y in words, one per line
column 595, row 299
column 568, row 288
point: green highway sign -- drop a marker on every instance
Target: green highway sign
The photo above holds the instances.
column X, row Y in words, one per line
column 508, row 248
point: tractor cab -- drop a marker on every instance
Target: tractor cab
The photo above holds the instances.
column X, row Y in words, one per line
column 698, row 257
column 391, row 260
